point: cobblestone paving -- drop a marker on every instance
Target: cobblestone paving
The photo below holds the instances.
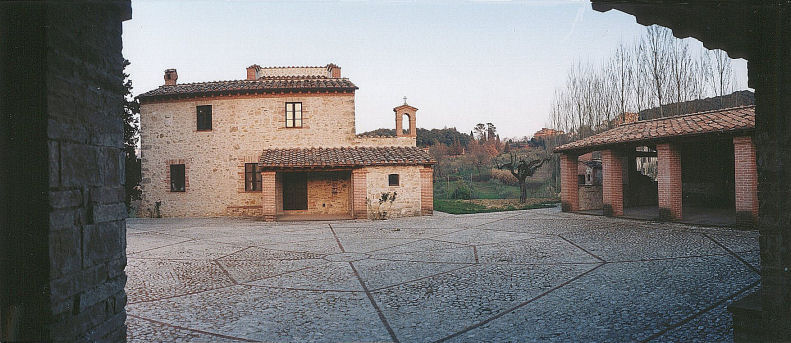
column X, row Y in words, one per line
column 535, row 275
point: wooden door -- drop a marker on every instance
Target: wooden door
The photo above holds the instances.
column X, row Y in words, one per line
column 295, row 191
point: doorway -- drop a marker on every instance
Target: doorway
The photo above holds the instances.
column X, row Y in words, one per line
column 295, row 191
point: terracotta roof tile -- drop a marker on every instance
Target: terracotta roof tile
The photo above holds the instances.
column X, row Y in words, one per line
column 263, row 85
column 343, row 157
column 724, row 120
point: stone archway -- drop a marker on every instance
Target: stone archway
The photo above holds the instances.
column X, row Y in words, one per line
column 61, row 202
column 62, row 212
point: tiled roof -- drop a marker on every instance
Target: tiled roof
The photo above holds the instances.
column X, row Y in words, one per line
column 719, row 121
column 264, row 85
column 344, row 157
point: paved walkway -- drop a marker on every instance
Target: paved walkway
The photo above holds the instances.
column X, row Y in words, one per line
column 535, row 275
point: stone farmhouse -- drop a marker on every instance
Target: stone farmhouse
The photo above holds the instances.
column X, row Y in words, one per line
column 280, row 144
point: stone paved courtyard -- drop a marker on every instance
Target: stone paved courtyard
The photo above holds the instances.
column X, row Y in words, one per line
column 535, row 275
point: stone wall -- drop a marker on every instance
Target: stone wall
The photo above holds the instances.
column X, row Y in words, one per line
column 293, row 71
column 408, row 198
column 368, row 141
column 64, row 231
column 590, row 197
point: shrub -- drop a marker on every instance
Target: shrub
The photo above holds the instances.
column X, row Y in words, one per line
column 462, row 191
column 505, row 177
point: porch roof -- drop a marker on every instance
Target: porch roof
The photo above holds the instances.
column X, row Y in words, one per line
column 343, row 157
column 719, row 121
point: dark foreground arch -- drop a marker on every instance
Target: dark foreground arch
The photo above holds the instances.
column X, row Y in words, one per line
column 62, row 233
column 759, row 31
column 62, row 215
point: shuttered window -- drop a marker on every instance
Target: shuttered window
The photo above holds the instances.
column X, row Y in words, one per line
column 252, row 177
column 204, row 118
column 177, row 178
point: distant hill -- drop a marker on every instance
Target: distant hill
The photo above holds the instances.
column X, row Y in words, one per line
column 425, row 138
column 735, row 99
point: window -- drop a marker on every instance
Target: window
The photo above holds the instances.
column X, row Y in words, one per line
column 252, row 177
column 204, row 118
column 393, row 179
column 177, row 178
column 293, row 114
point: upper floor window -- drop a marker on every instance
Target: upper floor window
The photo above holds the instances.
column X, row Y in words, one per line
column 293, row 114
column 252, row 177
column 177, row 178
column 393, row 179
column 204, row 118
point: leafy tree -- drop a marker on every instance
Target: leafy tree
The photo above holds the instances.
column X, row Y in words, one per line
column 131, row 136
column 522, row 167
column 491, row 131
column 427, row 138
column 480, row 132
column 479, row 156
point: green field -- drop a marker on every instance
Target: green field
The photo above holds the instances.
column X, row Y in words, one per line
column 491, row 189
column 470, row 206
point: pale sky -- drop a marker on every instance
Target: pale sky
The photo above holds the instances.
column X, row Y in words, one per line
column 459, row 63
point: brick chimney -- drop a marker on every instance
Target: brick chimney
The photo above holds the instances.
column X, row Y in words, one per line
column 334, row 71
column 170, row 77
column 252, row 72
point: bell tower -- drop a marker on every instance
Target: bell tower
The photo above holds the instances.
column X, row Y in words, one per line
column 409, row 112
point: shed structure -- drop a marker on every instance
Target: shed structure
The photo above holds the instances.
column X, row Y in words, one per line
column 703, row 160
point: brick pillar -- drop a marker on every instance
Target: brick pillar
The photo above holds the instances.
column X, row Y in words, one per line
column 612, row 182
column 426, row 191
column 269, row 194
column 569, row 187
column 746, row 174
column 669, row 179
column 359, row 194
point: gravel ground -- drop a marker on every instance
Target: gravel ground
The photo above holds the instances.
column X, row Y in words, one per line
column 533, row 275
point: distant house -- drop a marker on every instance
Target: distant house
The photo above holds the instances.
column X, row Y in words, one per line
column 280, row 143
column 625, row 118
column 546, row 132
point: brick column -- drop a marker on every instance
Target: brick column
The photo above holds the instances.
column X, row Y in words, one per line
column 269, row 196
column 359, row 194
column 746, row 175
column 612, row 182
column 569, row 187
column 669, row 179
column 427, row 191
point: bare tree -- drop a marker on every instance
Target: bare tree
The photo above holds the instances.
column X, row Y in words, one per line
column 721, row 72
column 621, row 76
column 658, row 42
column 681, row 67
column 640, row 87
column 522, row 167
column 655, row 70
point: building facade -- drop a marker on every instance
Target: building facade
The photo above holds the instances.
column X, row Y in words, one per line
column 280, row 143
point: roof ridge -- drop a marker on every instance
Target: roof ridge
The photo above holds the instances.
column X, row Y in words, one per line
column 292, row 67
column 687, row 115
column 720, row 120
column 263, row 78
